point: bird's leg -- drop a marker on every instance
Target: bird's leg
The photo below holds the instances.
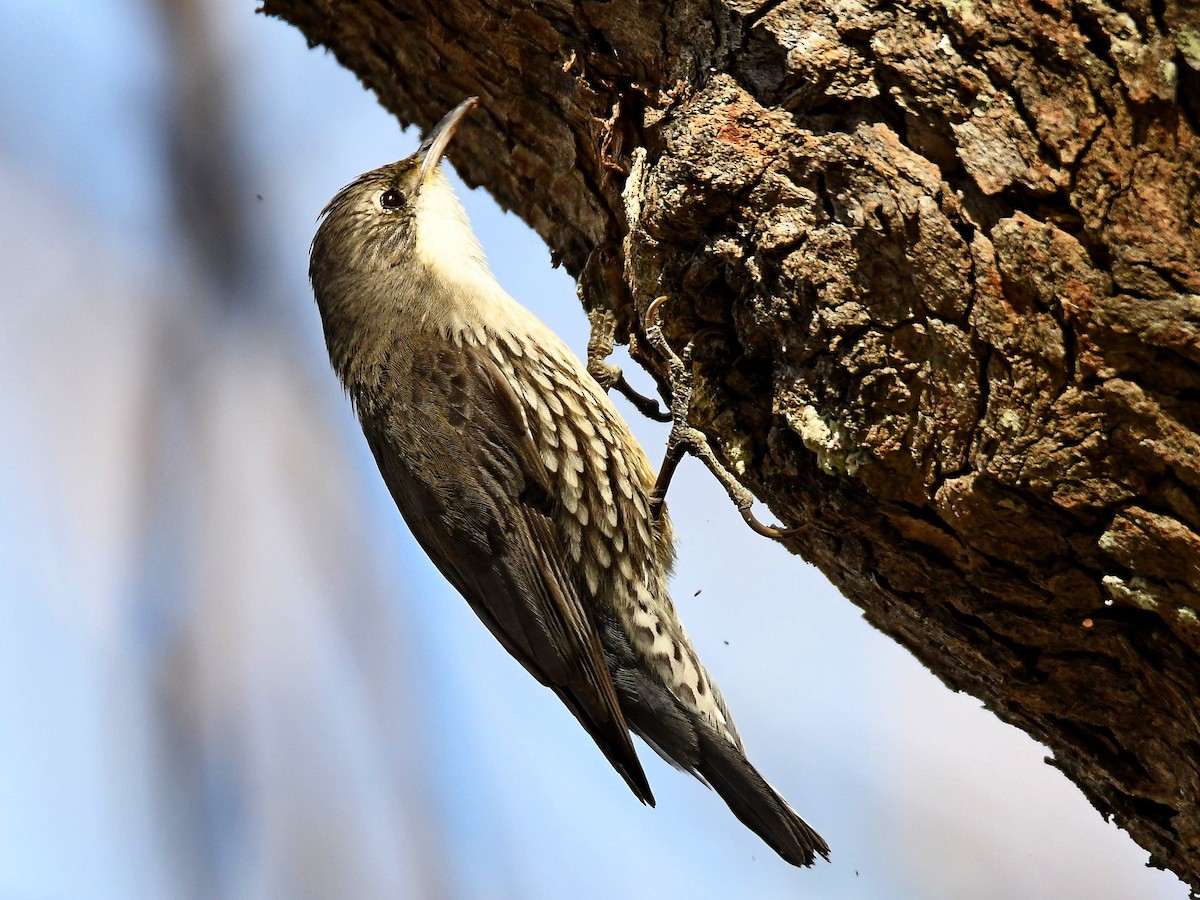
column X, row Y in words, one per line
column 685, row 438
column 609, row 375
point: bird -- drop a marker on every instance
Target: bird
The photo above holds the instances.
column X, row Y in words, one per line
column 521, row 481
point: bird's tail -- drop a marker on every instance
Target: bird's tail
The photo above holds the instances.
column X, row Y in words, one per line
column 691, row 743
column 758, row 805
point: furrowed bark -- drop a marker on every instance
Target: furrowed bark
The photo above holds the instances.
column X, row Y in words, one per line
column 950, row 254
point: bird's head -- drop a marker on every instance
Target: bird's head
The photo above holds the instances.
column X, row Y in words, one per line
column 402, row 215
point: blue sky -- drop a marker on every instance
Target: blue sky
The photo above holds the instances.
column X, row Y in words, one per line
column 226, row 670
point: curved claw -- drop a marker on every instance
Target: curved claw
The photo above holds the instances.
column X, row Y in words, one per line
column 710, row 331
column 609, row 376
column 652, row 311
column 771, row 531
column 647, row 406
column 654, row 334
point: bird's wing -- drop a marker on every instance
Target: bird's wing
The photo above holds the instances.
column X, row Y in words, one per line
column 464, row 469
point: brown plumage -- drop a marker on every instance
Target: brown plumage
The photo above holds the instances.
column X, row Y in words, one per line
column 521, row 481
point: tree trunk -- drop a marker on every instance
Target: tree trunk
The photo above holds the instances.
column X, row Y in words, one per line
column 945, row 258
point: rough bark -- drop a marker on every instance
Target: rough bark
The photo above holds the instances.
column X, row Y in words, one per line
column 949, row 251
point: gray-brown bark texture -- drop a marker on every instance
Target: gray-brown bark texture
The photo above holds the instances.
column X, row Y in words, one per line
column 949, row 251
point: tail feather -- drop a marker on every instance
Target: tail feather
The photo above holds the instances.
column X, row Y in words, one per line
column 692, row 744
column 756, row 804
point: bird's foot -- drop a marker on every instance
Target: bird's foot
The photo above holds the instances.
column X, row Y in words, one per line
column 608, row 375
column 685, row 438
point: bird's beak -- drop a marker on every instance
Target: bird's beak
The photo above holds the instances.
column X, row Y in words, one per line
column 431, row 149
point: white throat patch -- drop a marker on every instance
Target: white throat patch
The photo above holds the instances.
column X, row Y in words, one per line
column 445, row 242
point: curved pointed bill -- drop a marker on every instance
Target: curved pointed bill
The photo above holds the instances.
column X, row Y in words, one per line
column 431, row 149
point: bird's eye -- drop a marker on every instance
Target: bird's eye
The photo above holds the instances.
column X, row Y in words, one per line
column 391, row 199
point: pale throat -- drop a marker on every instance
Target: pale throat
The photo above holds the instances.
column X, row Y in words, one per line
column 446, row 245
column 450, row 254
